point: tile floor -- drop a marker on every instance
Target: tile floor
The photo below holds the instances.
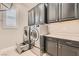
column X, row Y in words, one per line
column 11, row 51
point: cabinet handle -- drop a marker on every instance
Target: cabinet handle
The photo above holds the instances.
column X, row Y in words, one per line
column 56, row 20
column 59, row 45
column 56, row 45
column 69, row 43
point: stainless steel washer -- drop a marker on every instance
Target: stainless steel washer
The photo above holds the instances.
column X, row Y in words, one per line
column 26, row 33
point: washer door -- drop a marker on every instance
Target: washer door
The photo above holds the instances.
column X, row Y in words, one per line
column 34, row 35
column 26, row 33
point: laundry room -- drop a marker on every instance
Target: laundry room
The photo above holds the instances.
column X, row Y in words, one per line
column 39, row 29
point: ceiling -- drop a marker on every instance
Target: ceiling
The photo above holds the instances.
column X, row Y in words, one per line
column 26, row 5
column 29, row 5
column 5, row 6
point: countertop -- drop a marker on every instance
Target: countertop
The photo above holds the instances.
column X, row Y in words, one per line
column 73, row 37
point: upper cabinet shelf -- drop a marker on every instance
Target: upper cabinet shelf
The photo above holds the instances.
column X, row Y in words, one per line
column 42, row 13
column 77, row 10
column 31, row 17
column 38, row 16
column 53, row 12
column 67, row 11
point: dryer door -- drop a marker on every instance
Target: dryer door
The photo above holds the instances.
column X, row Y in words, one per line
column 34, row 34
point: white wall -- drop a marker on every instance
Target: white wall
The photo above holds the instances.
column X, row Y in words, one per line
column 9, row 37
column 67, row 28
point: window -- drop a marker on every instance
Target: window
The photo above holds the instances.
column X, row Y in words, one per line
column 10, row 19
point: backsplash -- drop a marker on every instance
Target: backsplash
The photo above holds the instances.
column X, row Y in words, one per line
column 43, row 29
column 67, row 27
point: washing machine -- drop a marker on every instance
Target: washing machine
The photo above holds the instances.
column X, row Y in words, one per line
column 26, row 33
column 25, row 45
column 35, row 32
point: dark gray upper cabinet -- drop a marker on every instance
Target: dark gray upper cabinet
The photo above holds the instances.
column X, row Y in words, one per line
column 67, row 11
column 77, row 10
column 37, row 15
column 42, row 14
column 31, row 18
column 53, row 12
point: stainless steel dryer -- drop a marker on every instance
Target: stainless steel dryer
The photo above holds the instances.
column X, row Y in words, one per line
column 34, row 35
column 35, row 32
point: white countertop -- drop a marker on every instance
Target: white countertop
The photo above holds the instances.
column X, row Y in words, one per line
column 73, row 37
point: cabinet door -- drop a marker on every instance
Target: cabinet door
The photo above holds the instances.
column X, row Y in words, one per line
column 59, row 49
column 42, row 13
column 69, row 51
column 77, row 10
column 67, row 11
column 51, row 46
column 36, row 9
column 42, row 44
column 31, row 20
column 53, row 12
